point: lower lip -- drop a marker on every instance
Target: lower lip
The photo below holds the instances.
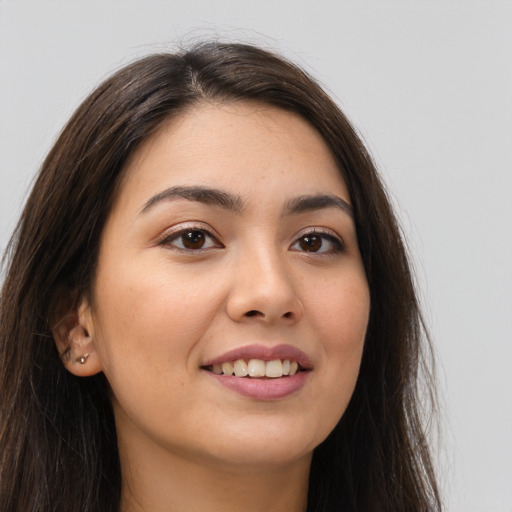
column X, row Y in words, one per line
column 261, row 388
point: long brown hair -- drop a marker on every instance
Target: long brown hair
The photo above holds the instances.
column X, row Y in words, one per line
column 58, row 448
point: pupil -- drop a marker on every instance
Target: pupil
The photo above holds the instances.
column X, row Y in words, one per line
column 193, row 239
column 311, row 243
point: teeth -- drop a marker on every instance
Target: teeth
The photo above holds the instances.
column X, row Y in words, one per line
column 227, row 369
column 274, row 368
column 257, row 368
column 240, row 367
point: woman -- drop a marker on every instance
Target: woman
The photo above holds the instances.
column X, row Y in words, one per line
column 208, row 305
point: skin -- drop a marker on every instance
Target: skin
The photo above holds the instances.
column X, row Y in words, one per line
column 159, row 311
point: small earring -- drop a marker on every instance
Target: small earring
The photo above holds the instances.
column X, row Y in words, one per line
column 82, row 359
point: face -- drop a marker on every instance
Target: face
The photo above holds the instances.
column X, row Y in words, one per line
column 231, row 247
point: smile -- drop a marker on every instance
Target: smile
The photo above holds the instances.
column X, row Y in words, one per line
column 261, row 372
column 256, row 368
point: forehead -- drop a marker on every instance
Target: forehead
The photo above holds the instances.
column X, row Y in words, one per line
column 244, row 148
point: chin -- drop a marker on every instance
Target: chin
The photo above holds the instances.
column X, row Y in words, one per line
column 265, row 445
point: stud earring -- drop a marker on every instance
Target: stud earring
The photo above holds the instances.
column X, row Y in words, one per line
column 82, row 359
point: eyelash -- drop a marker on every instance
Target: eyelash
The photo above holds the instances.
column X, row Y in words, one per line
column 337, row 243
column 170, row 240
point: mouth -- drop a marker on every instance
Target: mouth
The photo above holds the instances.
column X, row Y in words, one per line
column 256, row 368
column 261, row 372
column 260, row 362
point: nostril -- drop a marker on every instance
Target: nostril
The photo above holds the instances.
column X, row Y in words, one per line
column 255, row 312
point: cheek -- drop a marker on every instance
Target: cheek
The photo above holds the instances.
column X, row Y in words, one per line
column 151, row 317
column 341, row 321
column 148, row 327
column 342, row 308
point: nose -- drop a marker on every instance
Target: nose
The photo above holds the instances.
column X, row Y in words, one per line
column 264, row 289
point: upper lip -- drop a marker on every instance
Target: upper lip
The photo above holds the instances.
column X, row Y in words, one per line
column 264, row 353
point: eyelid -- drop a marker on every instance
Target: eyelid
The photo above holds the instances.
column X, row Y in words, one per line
column 320, row 231
column 326, row 233
column 175, row 231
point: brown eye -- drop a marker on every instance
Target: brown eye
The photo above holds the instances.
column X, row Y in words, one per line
column 193, row 239
column 310, row 243
column 318, row 242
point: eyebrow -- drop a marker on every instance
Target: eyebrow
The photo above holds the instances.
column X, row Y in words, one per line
column 317, row 202
column 205, row 195
column 226, row 201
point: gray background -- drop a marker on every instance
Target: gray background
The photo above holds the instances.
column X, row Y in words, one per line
column 427, row 83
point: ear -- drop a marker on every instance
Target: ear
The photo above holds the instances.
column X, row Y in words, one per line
column 74, row 337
